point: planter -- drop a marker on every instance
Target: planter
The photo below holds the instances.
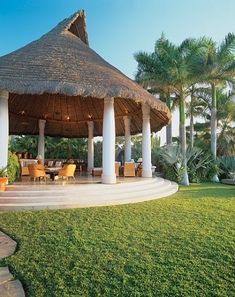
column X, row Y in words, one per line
column 228, row 181
column 3, row 182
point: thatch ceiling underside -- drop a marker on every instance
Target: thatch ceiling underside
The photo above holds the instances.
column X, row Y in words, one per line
column 67, row 116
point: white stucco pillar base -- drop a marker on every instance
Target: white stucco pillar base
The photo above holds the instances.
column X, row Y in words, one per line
column 4, row 128
column 108, row 175
column 127, row 123
column 146, row 142
column 41, row 139
column 90, row 147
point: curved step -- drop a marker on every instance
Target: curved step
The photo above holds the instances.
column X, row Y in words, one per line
column 89, row 195
column 85, row 192
column 44, row 188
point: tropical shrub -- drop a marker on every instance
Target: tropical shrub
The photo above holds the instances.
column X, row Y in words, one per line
column 3, row 172
column 13, row 168
column 227, row 165
column 201, row 165
column 170, row 159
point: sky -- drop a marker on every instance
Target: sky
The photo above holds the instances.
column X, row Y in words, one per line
column 118, row 28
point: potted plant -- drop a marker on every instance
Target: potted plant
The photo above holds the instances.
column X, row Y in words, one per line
column 3, row 178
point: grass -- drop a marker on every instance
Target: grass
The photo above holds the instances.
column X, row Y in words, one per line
column 177, row 246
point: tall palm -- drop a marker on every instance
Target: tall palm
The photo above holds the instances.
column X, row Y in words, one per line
column 216, row 66
column 196, row 107
column 225, row 121
column 153, row 74
column 169, row 68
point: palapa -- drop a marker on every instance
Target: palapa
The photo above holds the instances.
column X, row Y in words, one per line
column 61, row 79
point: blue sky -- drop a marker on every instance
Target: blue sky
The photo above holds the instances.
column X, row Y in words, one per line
column 117, row 28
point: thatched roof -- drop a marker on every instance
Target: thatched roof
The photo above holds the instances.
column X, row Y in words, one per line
column 58, row 77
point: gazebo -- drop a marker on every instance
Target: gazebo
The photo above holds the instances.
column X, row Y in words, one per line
column 58, row 86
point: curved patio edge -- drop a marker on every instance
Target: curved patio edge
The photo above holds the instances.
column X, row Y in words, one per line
column 43, row 196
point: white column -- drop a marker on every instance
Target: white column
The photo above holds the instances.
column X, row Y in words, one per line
column 41, row 139
column 4, row 128
column 146, row 142
column 90, row 147
column 127, row 123
column 108, row 175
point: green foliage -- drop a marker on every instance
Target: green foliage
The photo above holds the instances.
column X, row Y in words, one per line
column 3, row 172
column 227, row 164
column 201, row 165
column 170, row 158
column 182, row 245
column 13, row 168
column 136, row 147
column 25, row 143
column 65, row 148
column 98, row 153
column 55, row 147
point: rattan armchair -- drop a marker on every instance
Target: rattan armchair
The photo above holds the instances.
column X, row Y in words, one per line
column 117, row 168
column 36, row 171
column 129, row 169
column 67, row 171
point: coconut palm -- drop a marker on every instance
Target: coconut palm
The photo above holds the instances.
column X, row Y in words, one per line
column 216, row 66
column 225, row 121
column 169, row 67
column 154, row 75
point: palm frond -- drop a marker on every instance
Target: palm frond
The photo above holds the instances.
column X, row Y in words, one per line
column 226, row 49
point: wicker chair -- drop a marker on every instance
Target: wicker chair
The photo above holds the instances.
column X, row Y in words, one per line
column 129, row 169
column 117, row 168
column 67, row 171
column 37, row 171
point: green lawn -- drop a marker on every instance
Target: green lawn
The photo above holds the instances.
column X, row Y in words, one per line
column 183, row 245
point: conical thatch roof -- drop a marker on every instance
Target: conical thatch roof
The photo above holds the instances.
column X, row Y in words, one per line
column 58, row 77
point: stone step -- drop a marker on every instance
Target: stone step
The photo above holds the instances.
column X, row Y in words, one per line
column 90, row 196
column 37, row 206
column 5, row 275
column 44, row 188
column 12, row 288
column 84, row 192
column 8, row 285
column 92, row 188
column 89, row 200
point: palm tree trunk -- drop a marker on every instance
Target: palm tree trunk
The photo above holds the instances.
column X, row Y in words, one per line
column 169, row 134
column 185, row 180
column 169, row 126
column 180, row 130
column 214, row 127
column 191, row 121
column 191, row 130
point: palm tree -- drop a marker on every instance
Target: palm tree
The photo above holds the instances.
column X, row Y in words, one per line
column 225, row 121
column 216, row 66
column 196, row 107
column 169, row 68
column 153, row 74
